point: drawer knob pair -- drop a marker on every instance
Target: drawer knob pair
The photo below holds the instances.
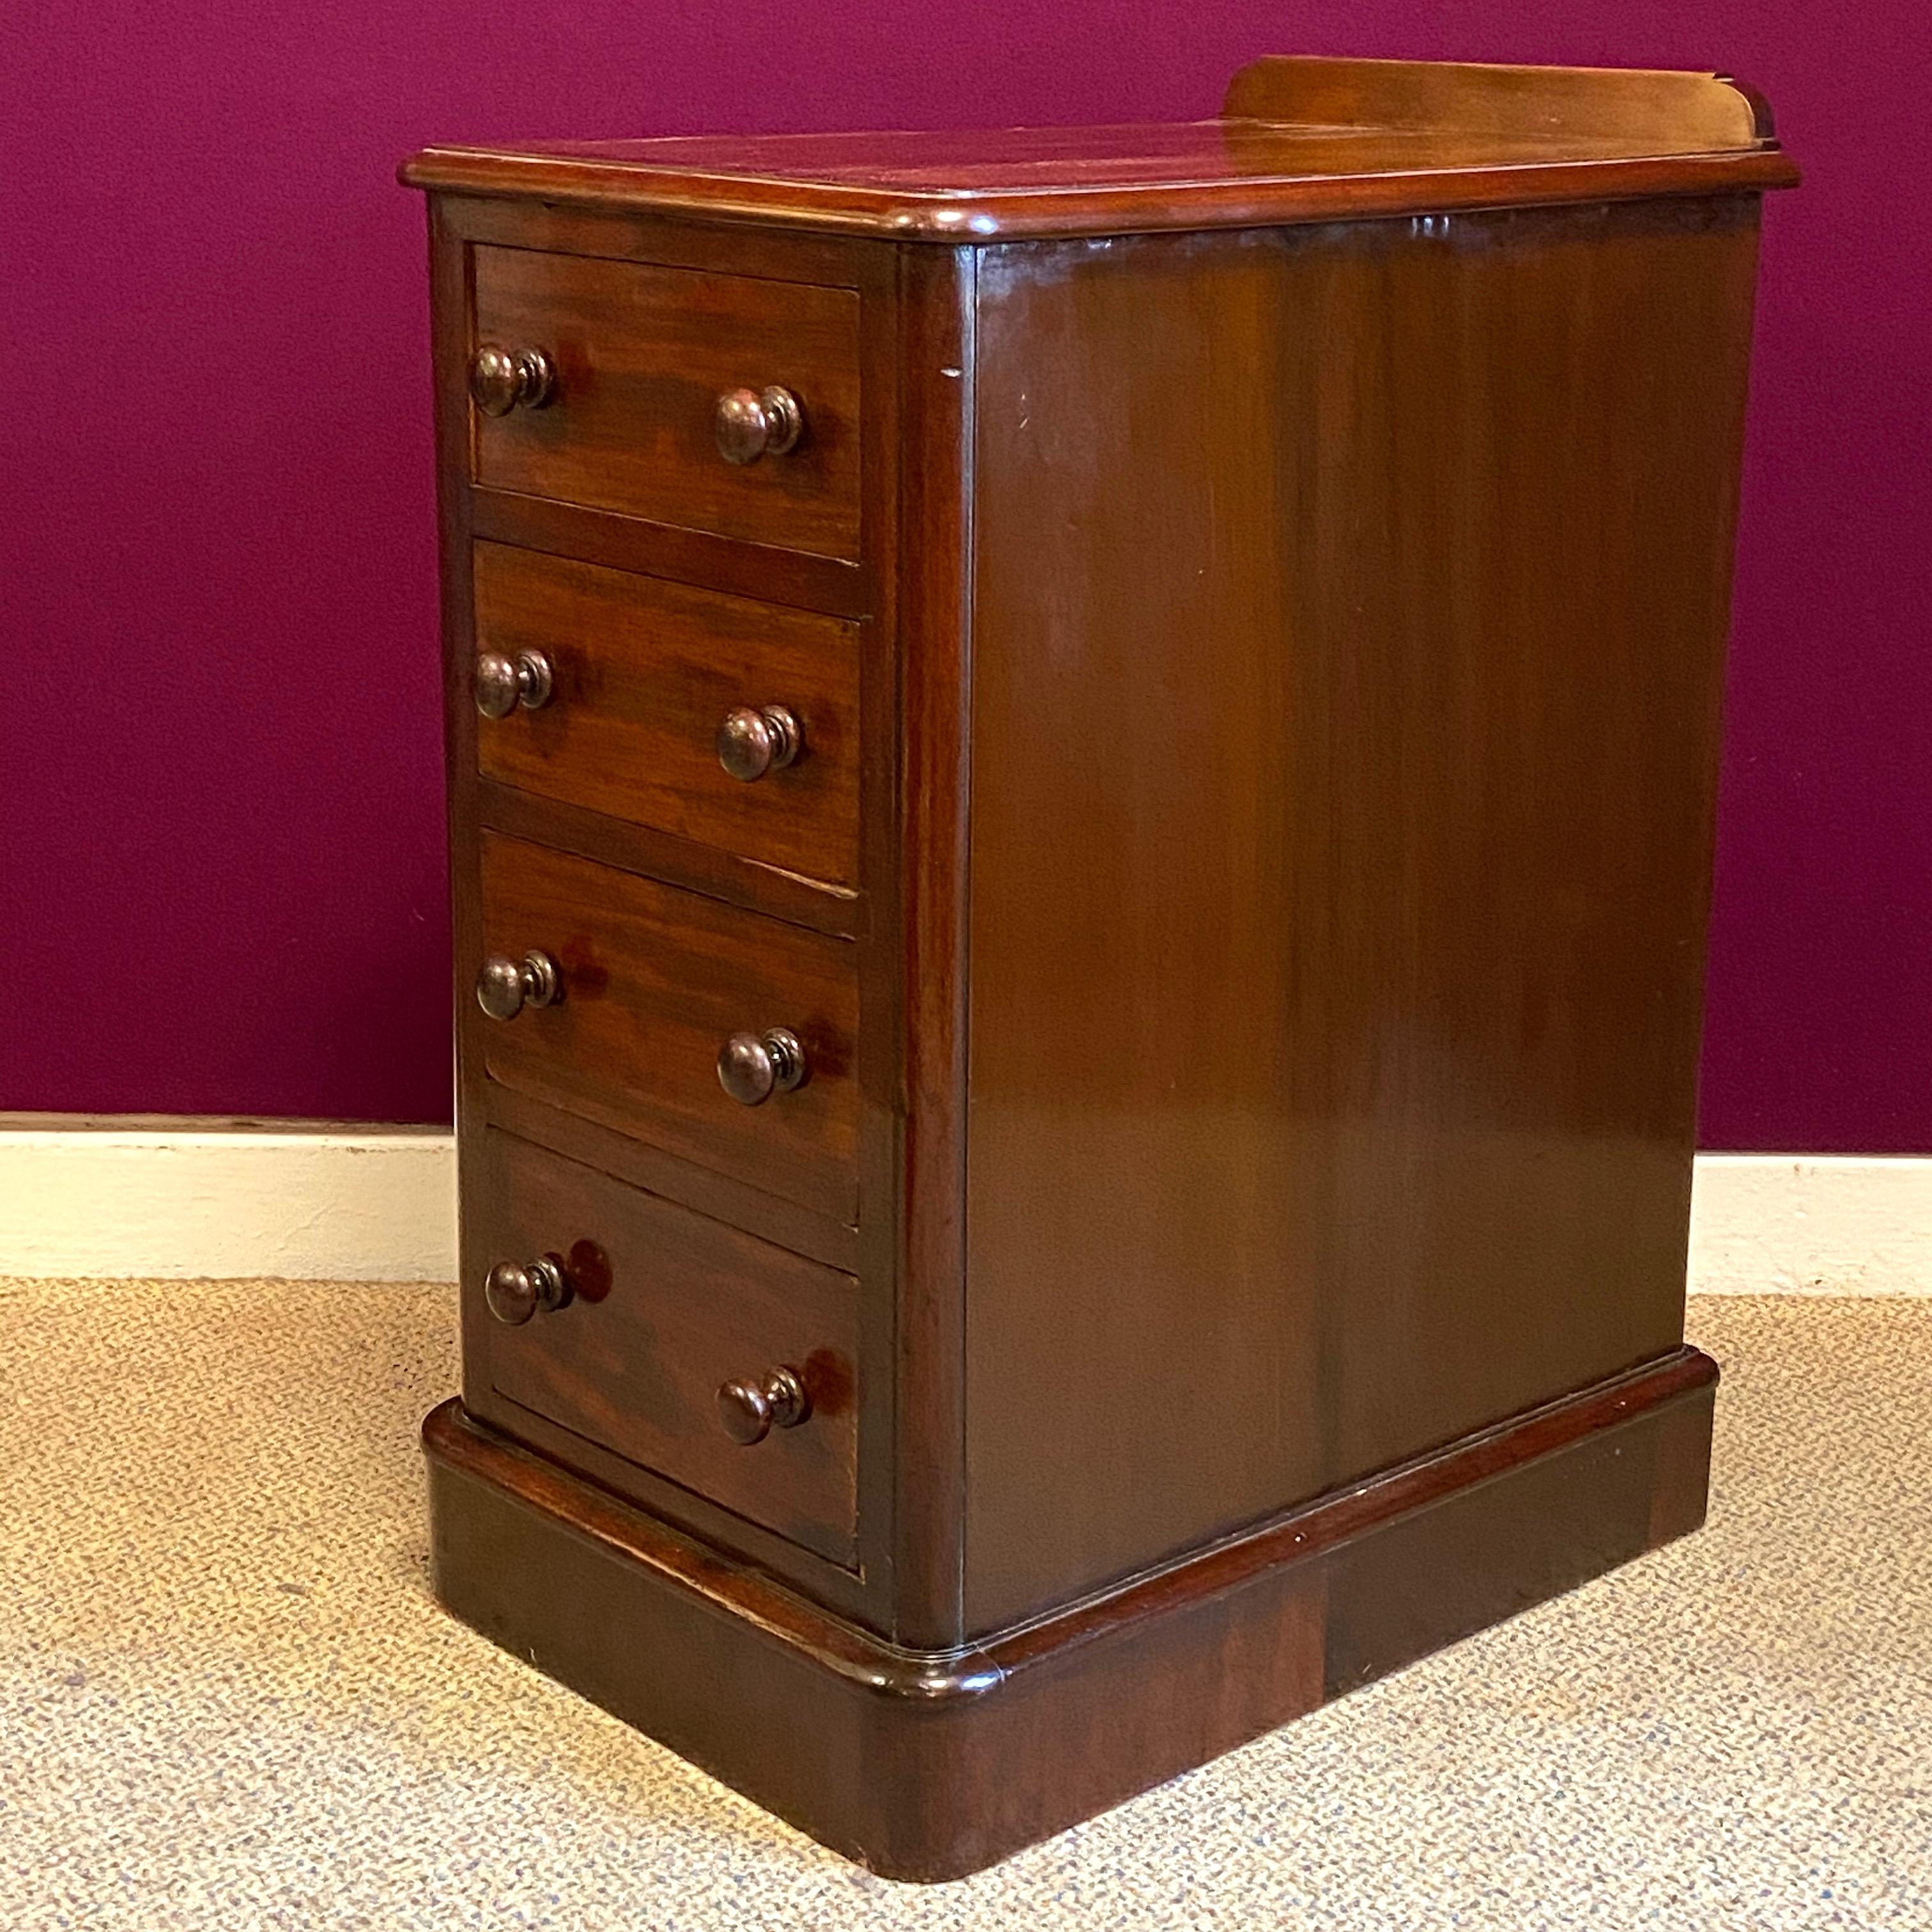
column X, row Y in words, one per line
column 502, row 683
column 753, row 1066
column 503, row 379
column 750, row 1411
column 506, row 986
column 752, row 423
column 513, row 1293
column 751, row 743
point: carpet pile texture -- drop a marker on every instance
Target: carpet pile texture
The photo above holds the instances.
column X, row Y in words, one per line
column 227, row 1699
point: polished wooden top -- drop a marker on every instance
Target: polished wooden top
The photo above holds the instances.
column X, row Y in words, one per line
column 1301, row 139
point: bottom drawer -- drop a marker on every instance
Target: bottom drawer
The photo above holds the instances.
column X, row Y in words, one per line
column 666, row 1308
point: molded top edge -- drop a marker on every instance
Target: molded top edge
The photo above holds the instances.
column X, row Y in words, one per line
column 1300, row 139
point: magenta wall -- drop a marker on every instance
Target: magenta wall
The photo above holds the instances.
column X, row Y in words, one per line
column 223, row 851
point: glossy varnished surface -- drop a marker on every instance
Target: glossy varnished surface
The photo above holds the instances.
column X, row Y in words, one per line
column 1660, row 111
column 669, row 1305
column 929, row 1766
column 1302, row 140
column 645, row 671
column 739, row 920
column 655, row 981
column 1342, row 801
column 642, row 355
column 1245, row 924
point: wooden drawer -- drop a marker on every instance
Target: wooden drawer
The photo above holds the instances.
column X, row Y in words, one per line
column 666, row 1307
column 641, row 355
column 655, row 980
column 643, row 672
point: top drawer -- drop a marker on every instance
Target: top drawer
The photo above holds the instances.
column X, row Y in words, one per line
column 640, row 357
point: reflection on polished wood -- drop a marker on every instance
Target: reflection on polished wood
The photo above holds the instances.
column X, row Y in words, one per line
column 641, row 354
column 1656, row 111
column 651, row 980
column 752, row 423
column 1401, row 822
column 503, row 379
column 1118, row 830
column 648, row 717
column 1302, row 139
column 686, row 1307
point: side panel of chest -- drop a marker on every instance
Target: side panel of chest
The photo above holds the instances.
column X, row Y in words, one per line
column 1349, row 606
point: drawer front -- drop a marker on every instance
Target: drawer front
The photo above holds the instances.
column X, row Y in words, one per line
column 643, row 673
column 666, row 1308
column 640, row 357
column 654, row 982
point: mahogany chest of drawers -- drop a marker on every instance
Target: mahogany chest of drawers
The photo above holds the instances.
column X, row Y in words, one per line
column 1081, row 790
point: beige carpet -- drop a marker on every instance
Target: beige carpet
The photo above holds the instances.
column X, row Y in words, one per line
column 227, row 1701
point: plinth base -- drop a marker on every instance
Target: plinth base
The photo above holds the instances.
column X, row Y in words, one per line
column 929, row 1767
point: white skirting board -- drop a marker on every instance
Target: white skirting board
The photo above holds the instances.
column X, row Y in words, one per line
column 299, row 1201
column 1811, row 1224
column 306, row 1200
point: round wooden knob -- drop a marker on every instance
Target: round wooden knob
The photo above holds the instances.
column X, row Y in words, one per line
column 753, row 1066
column 503, row 379
column 751, row 743
column 513, row 1293
column 502, row 683
column 505, row 986
column 750, row 1410
column 752, row 423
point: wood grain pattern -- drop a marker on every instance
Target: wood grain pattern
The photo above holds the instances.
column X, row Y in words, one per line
column 708, row 869
column 1013, row 184
column 930, row 1766
column 645, row 671
column 1261, row 635
column 671, row 1304
column 765, row 573
column 761, row 571
column 818, row 1236
column 1336, row 992
column 655, row 981
column 927, row 1260
column 642, row 355
column 1645, row 110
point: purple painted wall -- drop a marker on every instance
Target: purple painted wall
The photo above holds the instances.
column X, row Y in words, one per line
column 223, row 843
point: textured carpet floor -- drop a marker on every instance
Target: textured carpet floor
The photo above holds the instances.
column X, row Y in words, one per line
column 227, row 1699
